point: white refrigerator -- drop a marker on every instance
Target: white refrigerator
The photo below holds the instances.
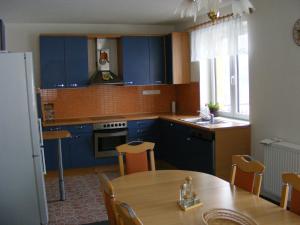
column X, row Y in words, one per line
column 22, row 187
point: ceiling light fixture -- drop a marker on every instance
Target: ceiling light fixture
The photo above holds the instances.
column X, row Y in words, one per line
column 194, row 8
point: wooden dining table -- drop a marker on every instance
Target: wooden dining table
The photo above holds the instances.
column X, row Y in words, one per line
column 153, row 195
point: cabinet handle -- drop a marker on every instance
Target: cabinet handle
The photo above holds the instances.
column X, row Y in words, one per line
column 43, row 161
column 41, row 132
column 60, row 85
column 73, row 85
column 129, row 82
column 188, row 139
column 76, row 137
column 55, row 129
column 171, row 124
column 158, row 81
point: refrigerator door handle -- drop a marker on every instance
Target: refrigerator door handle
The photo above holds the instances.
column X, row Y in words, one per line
column 41, row 132
column 43, row 161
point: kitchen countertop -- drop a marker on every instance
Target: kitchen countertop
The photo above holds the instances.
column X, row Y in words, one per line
column 229, row 123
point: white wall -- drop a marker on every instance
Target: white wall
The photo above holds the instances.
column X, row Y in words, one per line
column 274, row 72
column 25, row 37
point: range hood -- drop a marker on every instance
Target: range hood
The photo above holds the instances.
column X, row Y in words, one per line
column 107, row 63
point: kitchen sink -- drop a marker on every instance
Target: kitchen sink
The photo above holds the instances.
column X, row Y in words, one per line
column 201, row 121
column 216, row 121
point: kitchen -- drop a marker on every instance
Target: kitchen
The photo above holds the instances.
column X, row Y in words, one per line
column 125, row 106
column 112, row 107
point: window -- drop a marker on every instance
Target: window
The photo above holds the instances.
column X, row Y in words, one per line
column 224, row 70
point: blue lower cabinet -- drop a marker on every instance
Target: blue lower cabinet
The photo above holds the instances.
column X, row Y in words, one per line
column 146, row 130
column 81, row 150
column 77, row 151
column 50, row 151
column 51, row 154
column 186, row 148
column 200, row 155
column 81, row 128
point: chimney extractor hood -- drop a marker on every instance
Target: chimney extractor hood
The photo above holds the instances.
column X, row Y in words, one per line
column 107, row 63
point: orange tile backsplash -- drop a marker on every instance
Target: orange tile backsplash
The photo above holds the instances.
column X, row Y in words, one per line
column 111, row 100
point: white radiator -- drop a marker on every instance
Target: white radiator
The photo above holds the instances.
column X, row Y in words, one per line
column 279, row 157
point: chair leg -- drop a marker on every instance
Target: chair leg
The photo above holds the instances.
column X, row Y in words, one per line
column 121, row 164
column 257, row 184
column 284, row 196
column 232, row 177
column 152, row 160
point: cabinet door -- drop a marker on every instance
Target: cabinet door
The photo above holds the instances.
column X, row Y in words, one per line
column 52, row 61
column 50, row 151
column 199, row 155
column 178, row 58
column 169, row 60
column 135, row 56
column 76, row 61
column 51, row 155
column 146, row 130
column 81, row 150
column 157, row 64
column 169, row 142
column 179, row 134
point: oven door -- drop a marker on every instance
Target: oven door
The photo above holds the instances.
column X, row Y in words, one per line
column 105, row 142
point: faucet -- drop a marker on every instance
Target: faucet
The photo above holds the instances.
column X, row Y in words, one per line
column 209, row 117
column 212, row 118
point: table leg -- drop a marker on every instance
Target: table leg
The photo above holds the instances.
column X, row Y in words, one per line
column 61, row 173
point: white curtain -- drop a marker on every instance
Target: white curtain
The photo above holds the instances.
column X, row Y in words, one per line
column 217, row 40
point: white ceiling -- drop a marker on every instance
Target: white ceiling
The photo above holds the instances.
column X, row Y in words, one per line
column 90, row 11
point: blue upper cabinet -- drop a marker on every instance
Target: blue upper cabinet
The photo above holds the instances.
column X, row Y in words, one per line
column 76, row 61
column 52, row 60
column 135, row 56
column 64, row 61
column 142, row 60
column 157, row 68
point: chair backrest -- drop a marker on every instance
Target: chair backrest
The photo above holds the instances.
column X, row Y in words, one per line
column 293, row 180
column 109, row 196
column 136, row 156
column 247, row 173
column 126, row 215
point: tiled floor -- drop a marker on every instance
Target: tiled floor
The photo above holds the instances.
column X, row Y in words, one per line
column 84, row 202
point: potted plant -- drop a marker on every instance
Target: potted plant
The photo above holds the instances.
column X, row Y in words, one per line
column 213, row 108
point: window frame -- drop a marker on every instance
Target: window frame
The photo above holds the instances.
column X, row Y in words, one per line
column 234, row 89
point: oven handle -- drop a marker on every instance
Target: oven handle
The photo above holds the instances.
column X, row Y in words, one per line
column 114, row 134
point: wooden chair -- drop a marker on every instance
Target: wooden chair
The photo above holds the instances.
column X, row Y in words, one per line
column 126, row 215
column 109, row 198
column 293, row 180
column 247, row 173
column 136, row 156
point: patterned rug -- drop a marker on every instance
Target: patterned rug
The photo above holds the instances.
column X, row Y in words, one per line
column 84, row 203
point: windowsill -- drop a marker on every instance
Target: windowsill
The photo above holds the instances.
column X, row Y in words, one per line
column 233, row 119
